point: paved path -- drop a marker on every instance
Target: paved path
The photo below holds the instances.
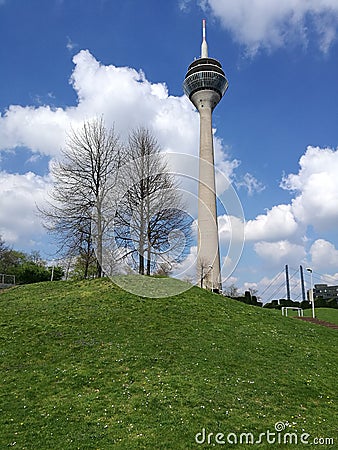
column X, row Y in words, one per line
column 318, row 322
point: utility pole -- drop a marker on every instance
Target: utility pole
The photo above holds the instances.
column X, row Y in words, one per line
column 302, row 283
column 287, row 282
column 311, row 296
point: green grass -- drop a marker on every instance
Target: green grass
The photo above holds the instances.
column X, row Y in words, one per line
column 151, row 287
column 85, row 365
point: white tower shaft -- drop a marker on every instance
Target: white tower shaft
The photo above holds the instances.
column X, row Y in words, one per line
column 209, row 266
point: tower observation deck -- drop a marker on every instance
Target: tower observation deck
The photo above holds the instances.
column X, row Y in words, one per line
column 205, row 84
column 205, row 73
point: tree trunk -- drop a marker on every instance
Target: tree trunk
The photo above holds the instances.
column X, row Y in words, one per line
column 99, row 248
column 148, row 263
column 148, row 246
column 141, row 264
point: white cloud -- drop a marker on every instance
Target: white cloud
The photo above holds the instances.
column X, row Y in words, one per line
column 330, row 279
column 70, row 44
column 134, row 101
column 279, row 253
column 19, row 194
column 317, row 187
column 41, row 129
column 124, row 97
column 226, row 166
column 250, row 183
column 272, row 24
column 278, row 223
column 324, row 255
column 184, row 5
column 248, row 285
column 230, row 228
column 228, row 281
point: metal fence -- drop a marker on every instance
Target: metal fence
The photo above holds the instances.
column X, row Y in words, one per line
column 6, row 280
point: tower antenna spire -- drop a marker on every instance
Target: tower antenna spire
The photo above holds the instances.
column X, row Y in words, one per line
column 204, row 47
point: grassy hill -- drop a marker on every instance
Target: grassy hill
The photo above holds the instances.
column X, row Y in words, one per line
column 85, row 365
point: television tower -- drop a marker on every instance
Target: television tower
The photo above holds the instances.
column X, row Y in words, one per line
column 205, row 84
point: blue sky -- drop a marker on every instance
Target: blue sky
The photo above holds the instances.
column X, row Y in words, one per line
column 276, row 133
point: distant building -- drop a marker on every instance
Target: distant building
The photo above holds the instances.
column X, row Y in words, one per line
column 324, row 291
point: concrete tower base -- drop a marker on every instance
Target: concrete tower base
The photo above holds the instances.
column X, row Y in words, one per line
column 209, row 270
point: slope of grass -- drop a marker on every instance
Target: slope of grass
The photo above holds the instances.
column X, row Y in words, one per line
column 85, row 365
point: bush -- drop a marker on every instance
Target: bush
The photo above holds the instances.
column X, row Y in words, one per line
column 333, row 303
column 30, row 272
column 321, row 302
column 289, row 303
column 305, row 304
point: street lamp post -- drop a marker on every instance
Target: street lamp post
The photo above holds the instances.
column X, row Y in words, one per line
column 312, row 300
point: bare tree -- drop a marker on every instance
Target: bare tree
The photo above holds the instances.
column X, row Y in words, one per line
column 150, row 223
column 204, row 270
column 5, row 256
column 231, row 291
column 164, row 269
column 83, row 179
column 3, row 249
column 253, row 291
